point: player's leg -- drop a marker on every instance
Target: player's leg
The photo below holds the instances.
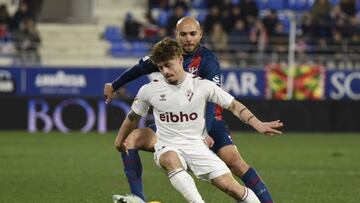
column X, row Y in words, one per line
column 144, row 139
column 228, row 152
column 229, row 185
column 175, row 166
column 207, row 166
column 230, row 155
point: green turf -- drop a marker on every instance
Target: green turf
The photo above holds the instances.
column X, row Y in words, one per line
column 75, row 167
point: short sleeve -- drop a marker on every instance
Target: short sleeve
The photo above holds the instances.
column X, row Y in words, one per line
column 141, row 104
column 218, row 95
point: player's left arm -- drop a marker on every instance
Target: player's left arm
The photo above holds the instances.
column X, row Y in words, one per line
column 246, row 116
column 210, row 70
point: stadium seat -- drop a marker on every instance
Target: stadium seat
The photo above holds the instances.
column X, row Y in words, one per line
column 276, row 4
column 297, row 5
column 199, row 4
column 120, row 49
column 201, row 17
column 139, row 49
column 334, row 2
column 284, row 19
column 162, row 18
column 113, row 34
column 262, row 4
column 309, row 4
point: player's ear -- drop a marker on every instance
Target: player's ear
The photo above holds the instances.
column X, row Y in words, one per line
column 181, row 59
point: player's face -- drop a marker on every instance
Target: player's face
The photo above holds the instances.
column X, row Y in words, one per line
column 188, row 34
column 172, row 70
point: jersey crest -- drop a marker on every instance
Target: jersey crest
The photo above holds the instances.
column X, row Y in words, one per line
column 189, row 94
column 194, row 65
column 192, row 70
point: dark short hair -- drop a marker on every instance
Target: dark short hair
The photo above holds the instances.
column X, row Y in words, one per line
column 165, row 50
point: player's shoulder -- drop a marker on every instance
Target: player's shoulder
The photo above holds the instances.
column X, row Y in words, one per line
column 199, row 80
column 145, row 59
column 210, row 61
column 154, row 83
column 208, row 54
column 146, row 62
column 148, row 88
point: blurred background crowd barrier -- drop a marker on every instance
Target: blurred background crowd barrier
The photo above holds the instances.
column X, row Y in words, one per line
column 298, row 61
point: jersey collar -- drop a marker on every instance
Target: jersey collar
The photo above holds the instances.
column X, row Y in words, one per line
column 197, row 50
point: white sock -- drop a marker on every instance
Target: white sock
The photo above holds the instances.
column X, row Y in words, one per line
column 184, row 184
column 249, row 197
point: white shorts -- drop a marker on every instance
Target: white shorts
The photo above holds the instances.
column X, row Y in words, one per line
column 203, row 162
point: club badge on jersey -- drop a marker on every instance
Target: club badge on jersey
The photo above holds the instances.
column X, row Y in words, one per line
column 189, row 94
column 193, row 70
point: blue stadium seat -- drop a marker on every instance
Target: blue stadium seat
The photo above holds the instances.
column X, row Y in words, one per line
column 357, row 5
column 334, row 2
column 297, row 5
column 276, row 4
column 201, row 17
column 140, row 49
column 163, row 17
column 113, row 34
column 120, row 49
column 199, row 4
column 262, row 4
column 285, row 20
column 309, row 4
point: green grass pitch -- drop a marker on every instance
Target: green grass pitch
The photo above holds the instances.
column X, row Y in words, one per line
column 75, row 167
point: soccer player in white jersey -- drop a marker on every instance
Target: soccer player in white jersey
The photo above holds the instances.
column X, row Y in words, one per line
column 178, row 101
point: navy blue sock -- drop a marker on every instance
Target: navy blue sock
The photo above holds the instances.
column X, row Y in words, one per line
column 253, row 181
column 133, row 172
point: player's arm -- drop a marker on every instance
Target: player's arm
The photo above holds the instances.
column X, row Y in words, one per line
column 129, row 124
column 246, row 116
column 210, row 71
column 144, row 67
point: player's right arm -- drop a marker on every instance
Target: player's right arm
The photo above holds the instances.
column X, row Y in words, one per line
column 128, row 125
column 139, row 108
column 143, row 67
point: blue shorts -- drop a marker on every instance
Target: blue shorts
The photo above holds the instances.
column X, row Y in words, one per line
column 219, row 133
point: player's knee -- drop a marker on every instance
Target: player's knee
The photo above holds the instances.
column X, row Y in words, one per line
column 231, row 187
column 117, row 146
column 131, row 140
column 141, row 138
column 238, row 166
column 170, row 161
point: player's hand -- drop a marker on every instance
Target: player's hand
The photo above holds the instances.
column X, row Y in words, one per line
column 109, row 93
column 209, row 141
column 124, row 148
column 268, row 128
